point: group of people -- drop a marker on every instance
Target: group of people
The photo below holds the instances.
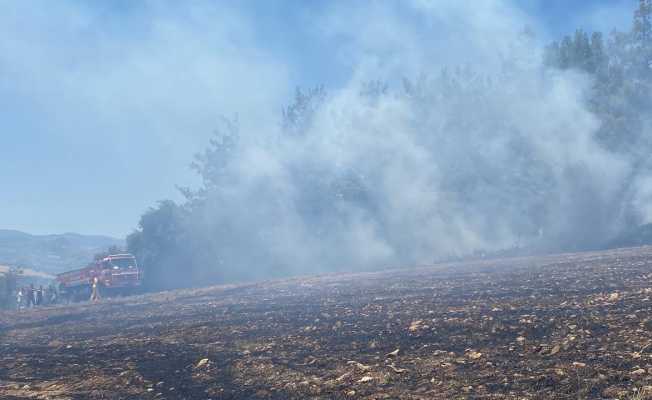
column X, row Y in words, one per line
column 30, row 296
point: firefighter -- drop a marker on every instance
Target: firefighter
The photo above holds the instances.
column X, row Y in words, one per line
column 31, row 296
column 34, row 292
column 95, row 293
column 19, row 298
column 39, row 296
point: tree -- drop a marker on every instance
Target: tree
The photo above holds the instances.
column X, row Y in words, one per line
column 212, row 164
column 298, row 116
column 8, row 282
column 640, row 54
column 577, row 52
column 270, row 202
column 642, row 29
column 158, row 245
column 598, row 60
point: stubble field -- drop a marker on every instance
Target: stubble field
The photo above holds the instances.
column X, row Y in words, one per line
column 557, row 327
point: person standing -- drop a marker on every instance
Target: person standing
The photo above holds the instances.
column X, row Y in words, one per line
column 95, row 290
column 31, row 296
column 19, row 298
column 39, row 296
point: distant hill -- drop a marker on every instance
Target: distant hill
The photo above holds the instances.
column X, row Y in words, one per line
column 51, row 253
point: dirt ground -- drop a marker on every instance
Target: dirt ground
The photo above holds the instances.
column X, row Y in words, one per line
column 574, row 326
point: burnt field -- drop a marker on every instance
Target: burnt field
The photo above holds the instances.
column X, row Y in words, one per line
column 560, row 327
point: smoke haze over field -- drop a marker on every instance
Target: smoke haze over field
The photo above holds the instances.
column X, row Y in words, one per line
column 440, row 132
column 377, row 179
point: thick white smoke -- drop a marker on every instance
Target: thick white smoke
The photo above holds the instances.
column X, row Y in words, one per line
column 448, row 135
column 435, row 164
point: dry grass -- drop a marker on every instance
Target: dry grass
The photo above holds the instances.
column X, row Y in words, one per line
column 574, row 326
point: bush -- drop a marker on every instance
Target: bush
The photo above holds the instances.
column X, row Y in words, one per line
column 7, row 288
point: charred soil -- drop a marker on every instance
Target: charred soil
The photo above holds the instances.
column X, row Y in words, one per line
column 558, row 327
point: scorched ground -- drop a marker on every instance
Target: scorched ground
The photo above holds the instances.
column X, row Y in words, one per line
column 557, row 327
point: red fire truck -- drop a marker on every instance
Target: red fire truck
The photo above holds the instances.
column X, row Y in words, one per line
column 116, row 274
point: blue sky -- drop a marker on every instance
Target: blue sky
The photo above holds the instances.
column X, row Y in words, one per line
column 103, row 104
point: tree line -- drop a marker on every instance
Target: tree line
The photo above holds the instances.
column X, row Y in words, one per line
column 234, row 225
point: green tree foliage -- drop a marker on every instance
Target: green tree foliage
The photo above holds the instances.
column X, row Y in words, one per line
column 622, row 76
column 175, row 243
column 211, row 165
column 7, row 288
column 202, row 241
column 298, row 116
column 578, row 52
column 621, row 92
column 158, row 244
